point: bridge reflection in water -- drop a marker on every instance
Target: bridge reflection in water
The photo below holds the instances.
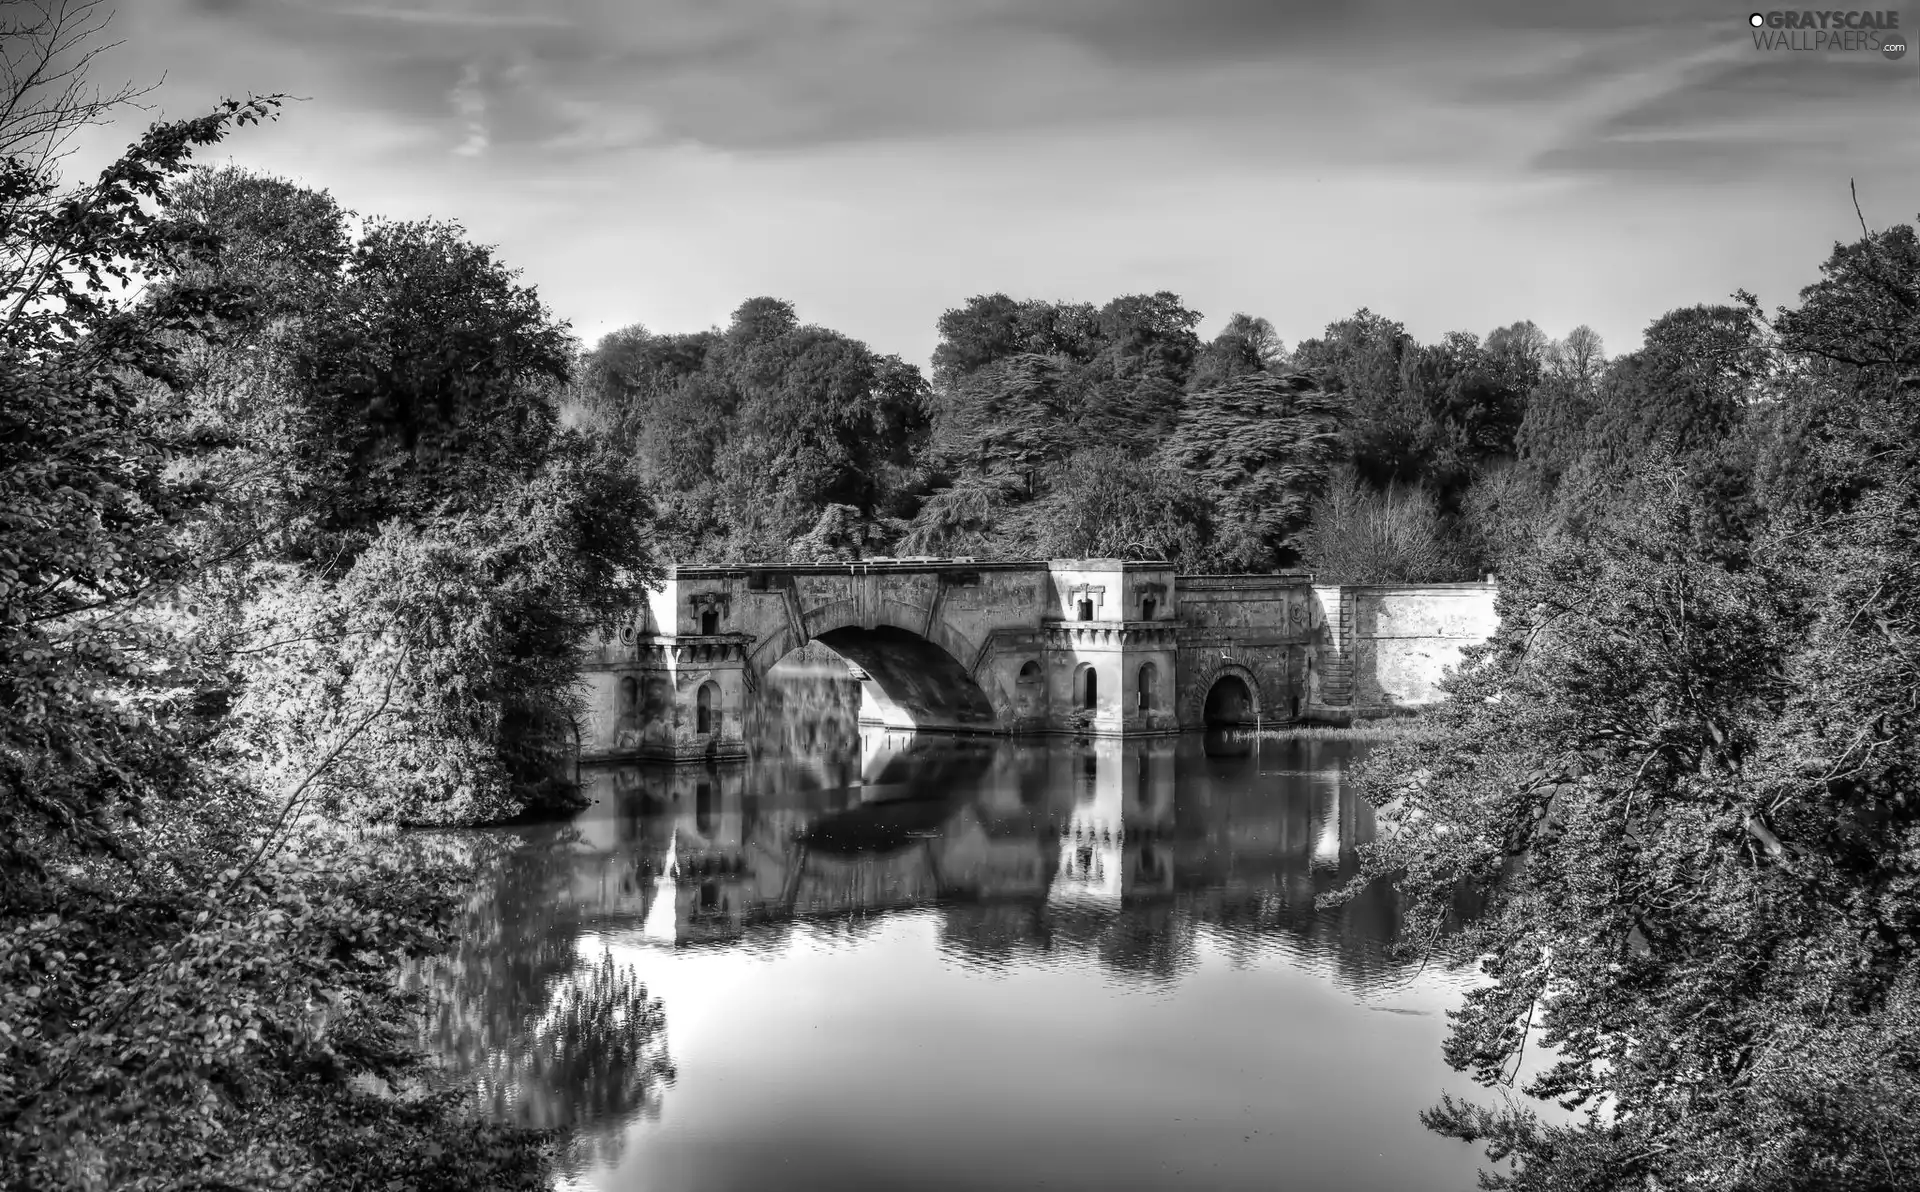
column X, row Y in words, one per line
column 1133, row 859
column 702, row 856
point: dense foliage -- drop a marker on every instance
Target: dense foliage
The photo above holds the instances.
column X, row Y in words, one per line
column 291, row 545
column 1055, row 429
column 1682, row 776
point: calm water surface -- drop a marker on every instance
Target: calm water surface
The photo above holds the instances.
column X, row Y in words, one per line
column 876, row 961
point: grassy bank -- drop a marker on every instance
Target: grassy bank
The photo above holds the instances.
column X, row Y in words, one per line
column 1385, row 728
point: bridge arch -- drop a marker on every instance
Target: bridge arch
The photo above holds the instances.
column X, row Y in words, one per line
column 915, row 678
column 1201, row 693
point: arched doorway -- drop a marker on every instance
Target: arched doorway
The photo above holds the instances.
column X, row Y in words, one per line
column 1149, row 686
column 1089, row 689
column 1229, row 703
column 703, row 717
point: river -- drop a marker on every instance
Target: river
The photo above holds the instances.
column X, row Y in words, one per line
column 869, row 960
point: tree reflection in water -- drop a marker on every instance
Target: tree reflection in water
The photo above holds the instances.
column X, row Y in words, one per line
column 546, row 1037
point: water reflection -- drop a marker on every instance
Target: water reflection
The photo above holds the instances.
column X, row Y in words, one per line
column 1133, row 860
column 546, row 1036
column 1106, row 833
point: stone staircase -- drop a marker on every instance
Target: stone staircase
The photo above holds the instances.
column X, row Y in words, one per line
column 1336, row 665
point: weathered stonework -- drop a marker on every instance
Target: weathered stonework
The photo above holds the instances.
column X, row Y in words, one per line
column 1093, row 647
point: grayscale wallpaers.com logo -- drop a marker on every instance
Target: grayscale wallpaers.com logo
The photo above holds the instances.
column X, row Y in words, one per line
column 1829, row 31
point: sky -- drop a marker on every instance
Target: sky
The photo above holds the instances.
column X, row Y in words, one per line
column 1456, row 166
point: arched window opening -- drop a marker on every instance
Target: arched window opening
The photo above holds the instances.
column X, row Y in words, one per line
column 1090, row 699
column 703, row 709
column 710, row 622
column 1086, row 610
column 1148, row 607
column 1149, row 679
column 1030, row 671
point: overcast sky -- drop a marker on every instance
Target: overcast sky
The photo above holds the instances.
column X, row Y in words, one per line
column 1454, row 166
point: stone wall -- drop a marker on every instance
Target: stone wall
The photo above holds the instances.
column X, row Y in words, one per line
column 1405, row 638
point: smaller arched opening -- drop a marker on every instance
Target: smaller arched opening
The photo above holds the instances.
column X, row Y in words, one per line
column 1030, row 688
column 703, row 710
column 1149, row 686
column 710, row 622
column 1089, row 689
column 1148, row 607
column 1229, row 703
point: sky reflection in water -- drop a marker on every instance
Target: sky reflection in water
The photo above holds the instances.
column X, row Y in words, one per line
column 899, row 962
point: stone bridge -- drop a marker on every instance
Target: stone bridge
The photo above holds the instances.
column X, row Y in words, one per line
column 1093, row 647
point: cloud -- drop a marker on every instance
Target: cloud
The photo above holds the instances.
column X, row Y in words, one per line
column 1443, row 161
column 471, row 103
column 456, row 16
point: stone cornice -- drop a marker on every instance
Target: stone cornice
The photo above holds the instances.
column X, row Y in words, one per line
column 1148, row 634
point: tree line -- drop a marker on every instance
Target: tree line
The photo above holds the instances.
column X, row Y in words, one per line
column 1058, row 429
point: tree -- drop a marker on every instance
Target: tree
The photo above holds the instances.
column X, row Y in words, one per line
column 1472, row 402
column 994, row 327
column 1261, row 447
column 1685, row 389
column 754, row 432
column 627, row 382
column 1246, row 344
column 1130, row 392
column 968, row 517
column 1108, row 504
column 1009, row 419
column 426, row 381
column 187, row 992
column 1362, row 536
column 1553, row 431
column 1685, row 787
column 1360, row 357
